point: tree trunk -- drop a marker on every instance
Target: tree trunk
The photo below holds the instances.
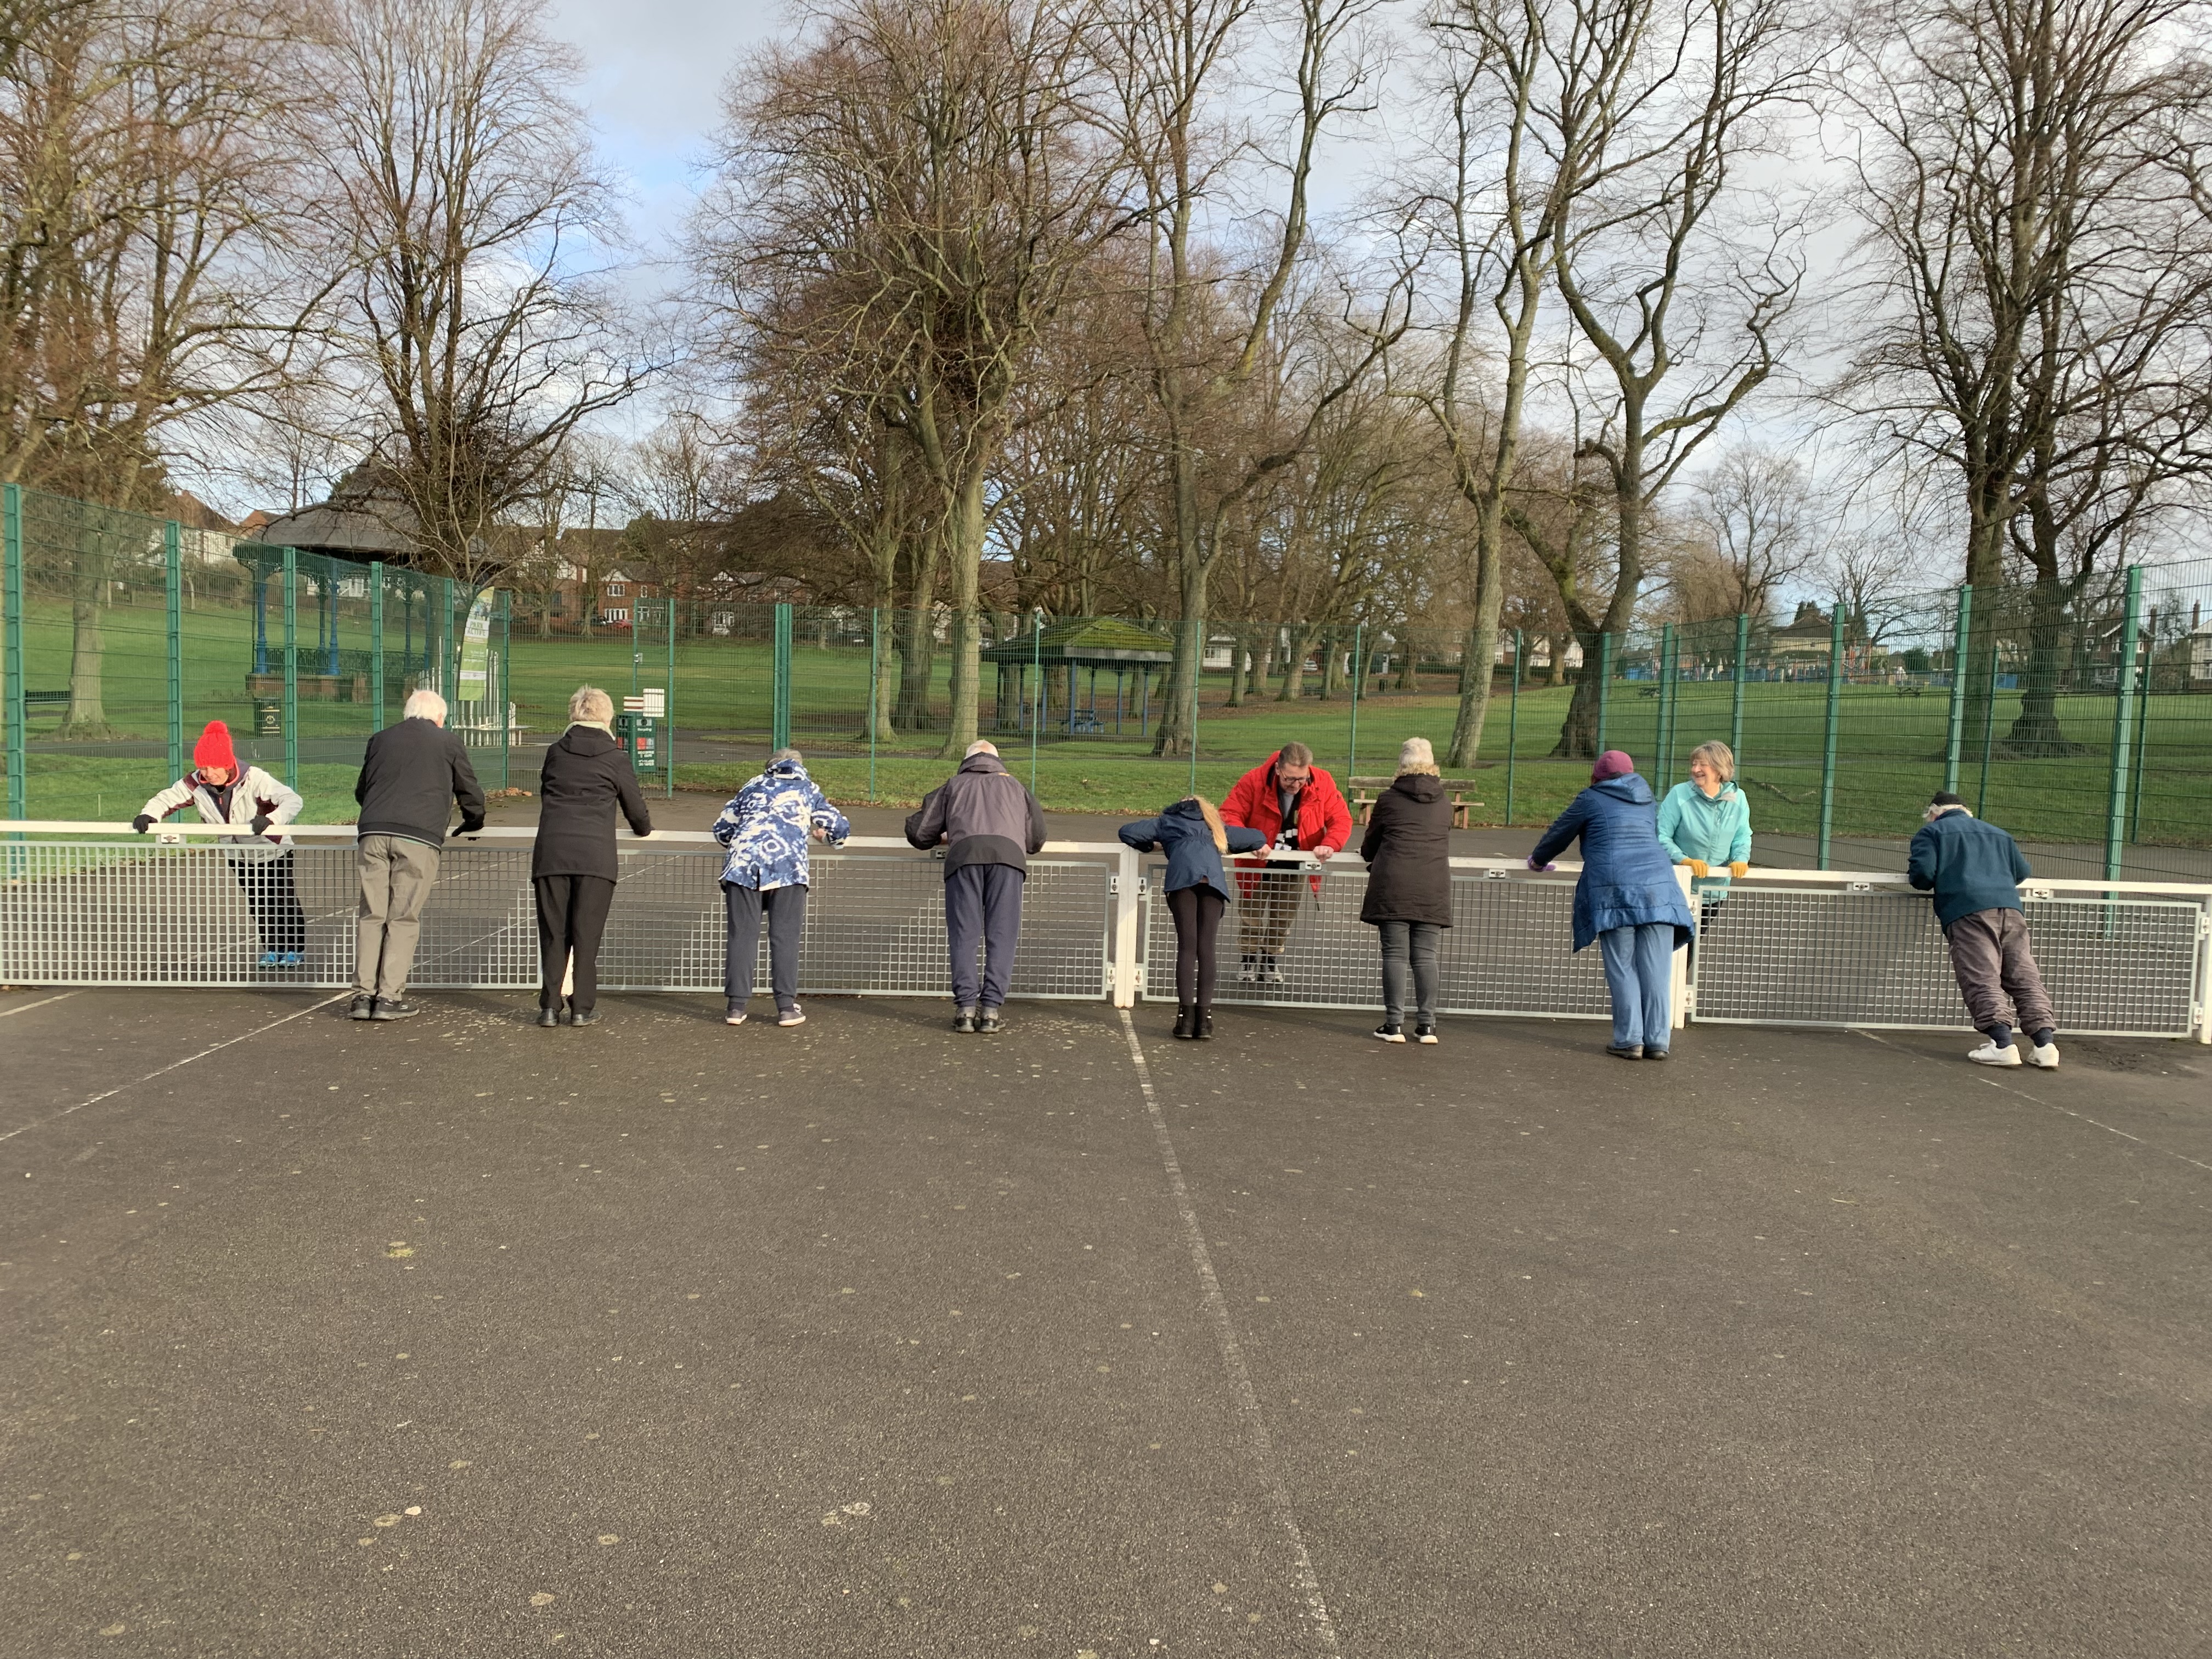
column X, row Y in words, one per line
column 86, row 718
column 1294, row 664
column 1173, row 734
column 967, row 553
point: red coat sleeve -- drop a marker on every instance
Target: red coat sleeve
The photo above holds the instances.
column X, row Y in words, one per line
column 1237, row 806
column 1335, row 821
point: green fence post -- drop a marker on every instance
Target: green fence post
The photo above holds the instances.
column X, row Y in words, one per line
column 1667, row 646
column 875, row 691
column 1989, row 730
column 1037, row 670
column 11, row 594
column 1604, row 682
column 2124, row 710
column 1955, row 727
column 779, row 718
column 292, row 667
column 1358, row 673
column 1828, row 737
column 1512, row 726
column 668, row 719
column 1735, row 693
column 2149, row 682
column 173, row 564
column 501, row 692
column 449, row 648
column 376, row 641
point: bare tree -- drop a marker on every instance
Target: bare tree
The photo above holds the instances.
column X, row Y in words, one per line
column 2030, row 181
column 1677, row 273
column 462, row 204
column 1755, row 517
column 1206, row 329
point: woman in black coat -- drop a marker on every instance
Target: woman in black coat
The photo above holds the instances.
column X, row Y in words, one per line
column 1408, row 853
column 572, row 868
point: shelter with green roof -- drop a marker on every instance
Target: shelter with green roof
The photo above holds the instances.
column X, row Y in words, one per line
column 1026, row 665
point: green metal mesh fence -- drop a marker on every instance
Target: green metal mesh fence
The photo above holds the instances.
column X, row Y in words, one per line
column 2078, row 717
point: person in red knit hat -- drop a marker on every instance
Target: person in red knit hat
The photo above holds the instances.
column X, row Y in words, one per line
column 255, row 802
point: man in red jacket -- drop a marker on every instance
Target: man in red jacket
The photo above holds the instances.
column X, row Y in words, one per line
column 1297, row 806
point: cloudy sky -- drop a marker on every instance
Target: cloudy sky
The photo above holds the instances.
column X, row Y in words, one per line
column 655, row 72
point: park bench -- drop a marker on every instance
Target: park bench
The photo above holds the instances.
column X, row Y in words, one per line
column 33, row 701
column 1364, row 790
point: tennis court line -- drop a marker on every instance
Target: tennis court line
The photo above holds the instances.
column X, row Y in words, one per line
column 26, row 1007
column 54, row 1117
column 2147, row 1146
column 1232, row 1356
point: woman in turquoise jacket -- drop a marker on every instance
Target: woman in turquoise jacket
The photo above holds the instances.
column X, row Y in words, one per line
column 1707, row 823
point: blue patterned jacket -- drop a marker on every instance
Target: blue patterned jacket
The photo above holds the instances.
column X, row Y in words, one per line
column 765, row 827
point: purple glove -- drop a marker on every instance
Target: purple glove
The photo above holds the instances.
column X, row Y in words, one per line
column 1541, row 868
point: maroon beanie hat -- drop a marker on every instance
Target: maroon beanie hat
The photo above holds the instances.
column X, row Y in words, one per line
column 214, row 748
column 1614, row 763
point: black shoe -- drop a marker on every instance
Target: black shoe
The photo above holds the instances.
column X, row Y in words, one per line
column 1426, row 1034
column 963, row 1020
column 392, row 1008
column 1186, row 1023
column 362, row 1008
column 987, row 1023
column 1654, row 1054
column 1625, row 1051
column 549, row 1017
column 1204, row 1025
column 1389, row 1033
column 584, row 1016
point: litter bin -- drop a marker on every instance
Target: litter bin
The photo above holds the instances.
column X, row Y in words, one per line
column 269, row 717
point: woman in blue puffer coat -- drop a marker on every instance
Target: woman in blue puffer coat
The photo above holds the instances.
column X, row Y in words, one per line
column 1191, row 833
column 1628, row 900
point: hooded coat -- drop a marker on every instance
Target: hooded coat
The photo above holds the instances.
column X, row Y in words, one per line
column 983, row 816
column 1627, row 879
column 253, row 794
column 1714, row 829
column 1967, row 865
column 587, row 775
column 766, row 823
column 1181, row 831
column 1407, row 847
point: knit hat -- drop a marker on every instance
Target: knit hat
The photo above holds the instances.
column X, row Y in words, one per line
column 214, row 749
column 1614, row 763
column 1944, row 797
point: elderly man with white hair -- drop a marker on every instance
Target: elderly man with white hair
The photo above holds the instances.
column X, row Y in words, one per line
column 988, row 824
column 411, row 776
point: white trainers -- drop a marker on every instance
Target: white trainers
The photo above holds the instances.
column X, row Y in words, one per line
column 791, row 1016
column 735, row 1016
column 1990, row 1054
column 2046, row 1056
column 1247, row 972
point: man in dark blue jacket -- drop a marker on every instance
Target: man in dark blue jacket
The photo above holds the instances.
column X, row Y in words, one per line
column 1974, row 870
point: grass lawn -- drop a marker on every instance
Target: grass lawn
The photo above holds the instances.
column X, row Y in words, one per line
column 1889, row 746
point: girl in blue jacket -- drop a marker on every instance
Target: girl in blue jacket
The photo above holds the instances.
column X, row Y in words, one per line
column 1191, row 833
column 1628, row 900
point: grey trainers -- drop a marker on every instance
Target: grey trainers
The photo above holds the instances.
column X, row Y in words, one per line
column 793, row 1015
column 963, row 1019
column 361, row 1008
column 393, row 1008
column 988, row 1023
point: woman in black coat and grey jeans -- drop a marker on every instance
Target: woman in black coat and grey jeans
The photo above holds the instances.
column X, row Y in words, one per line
column 574, row 867
column 1408, row 853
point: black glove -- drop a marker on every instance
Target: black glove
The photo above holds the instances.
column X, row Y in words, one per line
column 470, row 826
column 143, row 822
column 260, row 823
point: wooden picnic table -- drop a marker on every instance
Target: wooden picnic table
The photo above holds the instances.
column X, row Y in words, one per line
column 1363, row 791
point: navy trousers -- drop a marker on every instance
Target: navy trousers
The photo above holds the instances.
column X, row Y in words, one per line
column 983, row 902
column 1639, row 964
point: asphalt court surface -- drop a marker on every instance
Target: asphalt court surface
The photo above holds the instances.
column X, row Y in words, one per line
column 457, row 1336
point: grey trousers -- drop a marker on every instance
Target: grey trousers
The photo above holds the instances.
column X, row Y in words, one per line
column 983, row 902
column 396, row 875
column 1996, row 972
column 786, row 908
column 1409, row 944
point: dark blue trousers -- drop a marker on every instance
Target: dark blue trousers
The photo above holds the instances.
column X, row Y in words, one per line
column 983, row 902
column 1639, row 966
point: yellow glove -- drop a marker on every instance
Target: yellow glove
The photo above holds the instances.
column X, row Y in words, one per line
column 1698, row 868
column 1739, row 866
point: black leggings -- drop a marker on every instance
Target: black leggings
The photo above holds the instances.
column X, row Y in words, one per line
column 1197, row 913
